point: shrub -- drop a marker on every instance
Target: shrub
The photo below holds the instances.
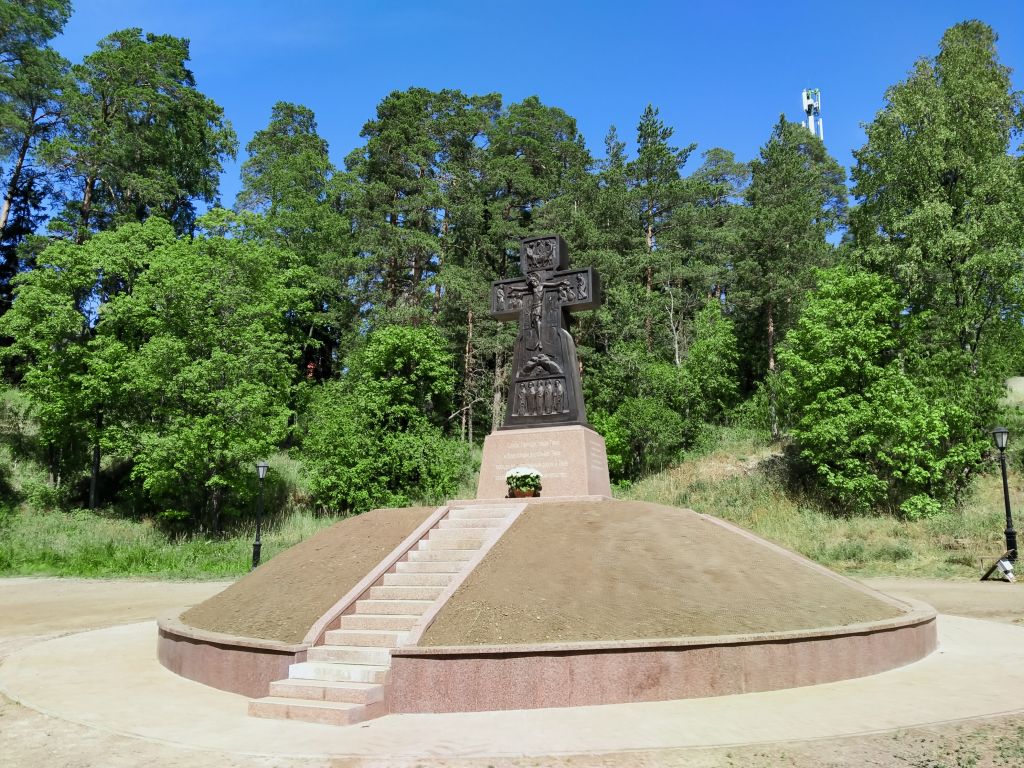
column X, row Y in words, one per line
column 370, row 437
column 876, row 434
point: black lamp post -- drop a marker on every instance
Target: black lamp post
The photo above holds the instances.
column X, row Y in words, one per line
column 1001, row 434
column 261, row 470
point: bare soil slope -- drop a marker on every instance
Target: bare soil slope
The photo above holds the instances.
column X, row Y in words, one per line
column 284, row 597
column 625, row 570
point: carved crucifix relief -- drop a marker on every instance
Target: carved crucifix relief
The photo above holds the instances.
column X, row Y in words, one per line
column 545, row 388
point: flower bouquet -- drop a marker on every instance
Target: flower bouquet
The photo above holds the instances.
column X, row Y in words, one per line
column 523, row 482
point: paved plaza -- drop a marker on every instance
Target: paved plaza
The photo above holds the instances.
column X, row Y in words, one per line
column 79, row 661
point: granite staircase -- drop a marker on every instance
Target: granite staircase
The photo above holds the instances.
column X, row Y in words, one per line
column 343, row 681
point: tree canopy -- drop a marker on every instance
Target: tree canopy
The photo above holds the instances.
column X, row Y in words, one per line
column 339, row 310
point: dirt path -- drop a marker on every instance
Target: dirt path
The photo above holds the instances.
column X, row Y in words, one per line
column 34, row 609
column 992, row 601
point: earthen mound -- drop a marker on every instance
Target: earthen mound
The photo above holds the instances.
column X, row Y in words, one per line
column 621, row 570
column 564, row 572
column 285, row 596
column 499, row 605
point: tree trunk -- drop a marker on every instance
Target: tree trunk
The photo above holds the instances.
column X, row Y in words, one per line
column 94, row 474
column 53, row 460
column 648, row 332
column 12, row 188
column 675, row 326
column 215, row 510
column 417, row 274
column 773, row 411
column 467, row 383
column 390, row 268
column 497, row 394
column 440, row 263
column 86, row 209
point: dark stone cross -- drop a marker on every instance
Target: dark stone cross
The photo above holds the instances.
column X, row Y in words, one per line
column 545, row 389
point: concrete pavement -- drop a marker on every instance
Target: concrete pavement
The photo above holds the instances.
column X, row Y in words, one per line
column 109, row 679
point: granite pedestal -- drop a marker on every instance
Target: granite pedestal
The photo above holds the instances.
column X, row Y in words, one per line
column 571, row 459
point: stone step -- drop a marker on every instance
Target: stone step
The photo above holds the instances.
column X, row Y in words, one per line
column 445, row 543
column 454, row 534
column 405, row 607
column 478, row 522
column 417, row 579
column 429, row 567
column 323, row 712
column 405, row 593
column 444, row 555
column 325, row 690
column 477, row 513
column 338, row 673
column 440, row 540
column 349, row 654
column 371, row 638
column 366, row 621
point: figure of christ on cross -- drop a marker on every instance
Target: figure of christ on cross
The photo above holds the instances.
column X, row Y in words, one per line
column 532, row 294
column 545, row 387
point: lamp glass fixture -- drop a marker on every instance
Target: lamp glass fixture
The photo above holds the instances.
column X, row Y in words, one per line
column 1001, row 435
column 261, row 469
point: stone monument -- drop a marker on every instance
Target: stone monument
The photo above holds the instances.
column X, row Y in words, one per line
column 545, row 423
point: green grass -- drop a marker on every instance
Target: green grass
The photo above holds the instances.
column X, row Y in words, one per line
column 81, row 543
column 738, row 482
column 40, row 537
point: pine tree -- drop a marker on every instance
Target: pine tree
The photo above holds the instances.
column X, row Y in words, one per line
column 796, row 198
column 140, row 139
column 657, row 188
column 31, row 78
column 290, row 184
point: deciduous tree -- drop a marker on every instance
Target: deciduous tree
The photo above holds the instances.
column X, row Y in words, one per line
column 941, row 196
column 875, row 436
column 373, row 437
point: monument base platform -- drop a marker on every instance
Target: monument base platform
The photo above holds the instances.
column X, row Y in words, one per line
column 572, row 461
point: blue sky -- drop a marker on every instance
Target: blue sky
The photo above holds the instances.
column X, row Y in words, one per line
column 720, row 72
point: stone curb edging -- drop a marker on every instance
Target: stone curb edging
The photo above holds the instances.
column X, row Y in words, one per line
column 243, row 665
column 920, row 613
column 473, row 680
column 173, row 624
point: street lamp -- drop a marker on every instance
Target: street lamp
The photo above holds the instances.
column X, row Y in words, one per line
column 1001, row 434
column 261, row 471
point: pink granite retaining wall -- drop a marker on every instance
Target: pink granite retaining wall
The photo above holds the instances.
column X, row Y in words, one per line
column 516, row 677
column 475, row 678
column 470, row 679
column 237, row 664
